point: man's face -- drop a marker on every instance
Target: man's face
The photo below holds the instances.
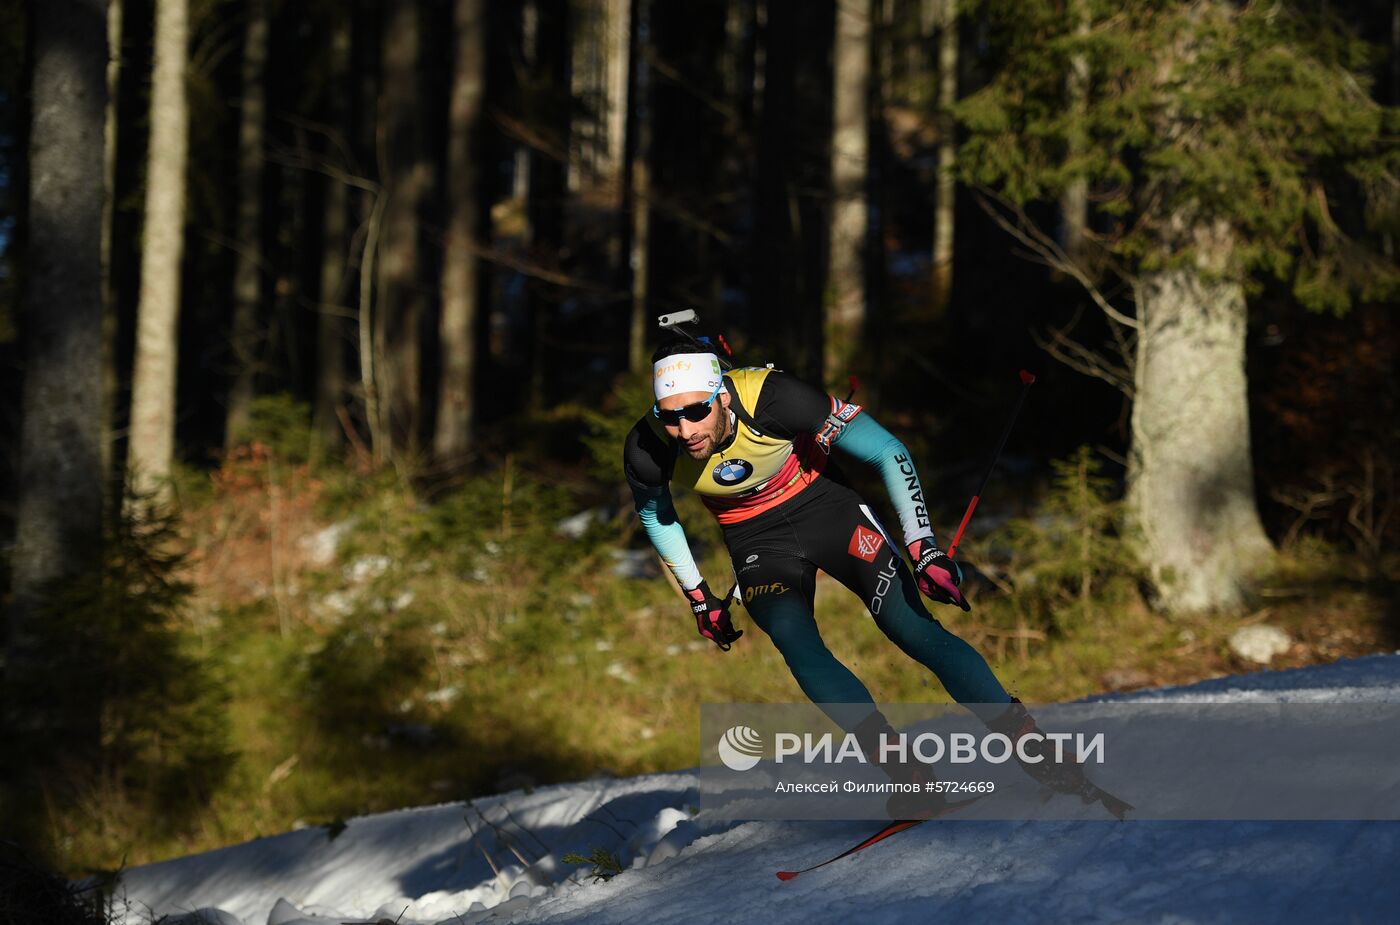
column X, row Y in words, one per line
column 699, row 438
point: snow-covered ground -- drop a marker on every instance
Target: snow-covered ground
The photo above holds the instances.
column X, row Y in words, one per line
column 499, row 859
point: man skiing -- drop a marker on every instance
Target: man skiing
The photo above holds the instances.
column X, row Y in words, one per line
column 756, row 446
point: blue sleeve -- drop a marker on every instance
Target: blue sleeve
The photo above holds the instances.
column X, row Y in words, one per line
column 658, row 516
column 864, row 439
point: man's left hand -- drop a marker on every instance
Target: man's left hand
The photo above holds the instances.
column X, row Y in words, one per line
column 937, row 575
column 712, row 616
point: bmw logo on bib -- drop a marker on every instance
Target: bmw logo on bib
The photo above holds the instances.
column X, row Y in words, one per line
column 732, row 471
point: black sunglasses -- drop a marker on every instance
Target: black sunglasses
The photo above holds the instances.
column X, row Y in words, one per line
column 694, row 412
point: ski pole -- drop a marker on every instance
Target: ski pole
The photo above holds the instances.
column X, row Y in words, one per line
column 1027, row 379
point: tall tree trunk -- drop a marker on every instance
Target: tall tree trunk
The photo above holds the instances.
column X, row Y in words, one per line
column 287, row 269
column 1191, row 481
column 152, row 442
column 1074, row 201
column 548, row 106
column 408, row 181
column 588, row 79
column 742, row 73
column 636, row 187
column 248, row 268
column 687, row 155
column 63, row 429
column 946, row 200
column 368, row 204
column 1387, row 238
column 1395, row 53
column 791, row 224
column 618, row 63
column 457, row 398
column 111, row 325
column 850, row 169
column 331, row 328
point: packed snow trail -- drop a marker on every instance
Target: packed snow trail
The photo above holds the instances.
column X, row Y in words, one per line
column 431, row 865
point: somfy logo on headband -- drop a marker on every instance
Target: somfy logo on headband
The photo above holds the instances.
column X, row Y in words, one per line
column 680, row 366
column 689, row 372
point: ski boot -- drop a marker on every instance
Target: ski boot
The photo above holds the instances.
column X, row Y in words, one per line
column 1065, row 777
column 923, row 803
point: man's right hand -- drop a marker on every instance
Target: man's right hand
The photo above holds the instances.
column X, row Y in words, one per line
column 712, row 616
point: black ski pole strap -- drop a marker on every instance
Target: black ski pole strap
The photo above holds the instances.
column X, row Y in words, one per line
column 738, row 408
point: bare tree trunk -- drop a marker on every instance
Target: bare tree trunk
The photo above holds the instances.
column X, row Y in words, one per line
column 248, row 269
column 1191, row 482
column 886, row 51
column 619, row 30
column 408, row 181
column 588, row 83
column 1074, row 201
column 456, row 399
column 639, row 259
column 636, row 188
column 110, row 316
column 1395, row 53
column 278, row 336
column 1387, row 238
column 850, row 169
column 366, row 50
column 63, row 430
column 332, row 339
column 152, row 442
column 688, row 148
column 548, row 106
column 746, row 72
column 946, row 201
column 791, row 236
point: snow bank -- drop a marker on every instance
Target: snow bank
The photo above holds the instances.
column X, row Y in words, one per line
column 499, row 859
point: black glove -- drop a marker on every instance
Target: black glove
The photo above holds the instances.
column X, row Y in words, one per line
column 937, row 575
column 712, row 616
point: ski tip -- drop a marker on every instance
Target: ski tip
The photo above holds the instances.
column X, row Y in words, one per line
column 1027, row 377
column 1118, row 807
column 786, row 875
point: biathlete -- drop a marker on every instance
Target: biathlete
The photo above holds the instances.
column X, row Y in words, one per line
column 756, row 446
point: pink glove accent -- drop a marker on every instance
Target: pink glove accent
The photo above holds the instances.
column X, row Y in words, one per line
column 933, row 576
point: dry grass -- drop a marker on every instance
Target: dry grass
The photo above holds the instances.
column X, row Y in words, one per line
column 483, row 656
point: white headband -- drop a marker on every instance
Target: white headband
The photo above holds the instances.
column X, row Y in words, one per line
column 686, row 372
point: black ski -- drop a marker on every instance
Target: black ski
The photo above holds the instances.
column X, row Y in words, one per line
column 1118, row 807
column 899, row 825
